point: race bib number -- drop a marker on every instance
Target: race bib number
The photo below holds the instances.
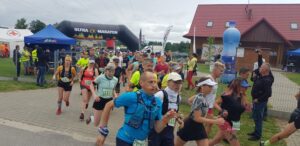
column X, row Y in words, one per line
column 88, row 82
column 172, row 122
column 139, row 143
column 236, row 125
column 107, row 92
column 65, row 79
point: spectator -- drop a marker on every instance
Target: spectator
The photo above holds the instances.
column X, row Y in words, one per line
column 16, row 59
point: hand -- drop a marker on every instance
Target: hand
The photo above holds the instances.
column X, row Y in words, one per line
column 255, row 100
column 71, row 84
column 220, row 121
column 96, row 98
column 171, row 114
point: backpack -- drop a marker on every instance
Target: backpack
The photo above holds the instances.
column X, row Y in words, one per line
column 165, row 105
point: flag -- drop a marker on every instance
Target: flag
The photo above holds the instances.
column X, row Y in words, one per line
column 140, row 39
column 166, row 36
column 194, row 41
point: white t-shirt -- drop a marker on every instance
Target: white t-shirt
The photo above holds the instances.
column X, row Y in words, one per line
column 120, row 61
column 172, row 95
column 211, row 97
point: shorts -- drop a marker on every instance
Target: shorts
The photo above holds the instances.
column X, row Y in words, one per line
column 101, row 104
column 192, row 131
column 26, row 64
column 65, row 86
column 295, row 117
column 164, row 138
column 210, row 111
column 83, row 87
column 120, row 142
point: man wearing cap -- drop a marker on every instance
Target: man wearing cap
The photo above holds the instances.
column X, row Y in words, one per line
column 102, row 61
column 171, row 99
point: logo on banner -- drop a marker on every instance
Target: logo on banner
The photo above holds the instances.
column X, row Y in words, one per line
column 13, row 33
column 50, row 41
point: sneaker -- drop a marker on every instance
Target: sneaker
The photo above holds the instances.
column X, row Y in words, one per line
column 58, row 111
column 67, row 103
column 81, row 117
column 89, row 120
column 254, row 138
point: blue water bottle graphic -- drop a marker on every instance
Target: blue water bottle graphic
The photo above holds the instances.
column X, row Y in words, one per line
column 231, row 40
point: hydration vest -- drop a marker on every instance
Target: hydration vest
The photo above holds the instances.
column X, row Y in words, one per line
column 69, row 75
column 142, row 112
column 165, row 105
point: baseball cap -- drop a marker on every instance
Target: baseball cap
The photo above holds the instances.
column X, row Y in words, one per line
column 91, row 61
column 244, row 70
column 245, row 84
column 207, row 82
column 174, row 76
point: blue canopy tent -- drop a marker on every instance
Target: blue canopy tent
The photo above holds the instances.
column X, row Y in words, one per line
column 293, row 60
column 294, row 52
column 49, row 35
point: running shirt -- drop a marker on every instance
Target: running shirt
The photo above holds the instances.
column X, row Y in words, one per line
column 83, row 62
column 65, row 77
column 211, row 97
column 200, row 104
column 105, row 86
column 233, row 104
column 87, row 77
column 192, row 63
column 172, row 98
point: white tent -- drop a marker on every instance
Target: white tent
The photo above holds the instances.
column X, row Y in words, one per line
column 13, row 37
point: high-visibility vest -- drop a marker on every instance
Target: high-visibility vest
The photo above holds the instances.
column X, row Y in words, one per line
column 34, row 55
column 25, row 56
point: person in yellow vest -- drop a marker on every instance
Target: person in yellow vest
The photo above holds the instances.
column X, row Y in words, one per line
column 34, row 59
column 191, row 65
column 83, row 61
column 25, row 59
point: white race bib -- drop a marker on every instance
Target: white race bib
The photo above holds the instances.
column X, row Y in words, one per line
column 139, row 142
column 65, row 79
column 87, row 82
column 172, row 122
column 107, row 93
column 236, row 125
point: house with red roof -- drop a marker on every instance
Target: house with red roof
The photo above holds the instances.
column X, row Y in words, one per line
column 274, row 28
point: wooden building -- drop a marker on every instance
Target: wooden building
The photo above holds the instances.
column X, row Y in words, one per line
column 274, row 28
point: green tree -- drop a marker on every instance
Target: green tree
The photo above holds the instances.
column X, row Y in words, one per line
column 36, row 25
column 21, row 24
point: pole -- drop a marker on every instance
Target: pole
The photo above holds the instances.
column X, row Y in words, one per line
column 194, row 41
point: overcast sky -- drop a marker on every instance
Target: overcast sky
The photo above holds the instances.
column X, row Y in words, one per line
column 152, row 16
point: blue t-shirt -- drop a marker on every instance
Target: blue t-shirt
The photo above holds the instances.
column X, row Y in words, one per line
column 129, row 100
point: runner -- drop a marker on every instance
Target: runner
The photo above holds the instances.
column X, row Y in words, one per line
column 64, row 74
column 137, row 126
column 217, row 71
column 174, row 67
column 86, row 77
column 118, row 74
column 193, row 129
column 171, row 99
column 104, row 93
column 233, row 105
column 293, row 126
column 133, row 84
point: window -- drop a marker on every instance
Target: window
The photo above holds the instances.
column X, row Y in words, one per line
column 227, row 24
column 209, row 24
column 294, row 25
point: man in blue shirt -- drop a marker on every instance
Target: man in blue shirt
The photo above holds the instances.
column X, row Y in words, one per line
column 142, row 114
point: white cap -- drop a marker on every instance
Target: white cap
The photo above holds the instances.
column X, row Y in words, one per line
column 174, row 76
column 207, row 82
column 91, row 61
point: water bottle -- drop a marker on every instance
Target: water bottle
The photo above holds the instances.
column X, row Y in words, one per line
column 231, row 40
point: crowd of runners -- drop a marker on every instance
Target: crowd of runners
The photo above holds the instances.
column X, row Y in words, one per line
column 151, row 96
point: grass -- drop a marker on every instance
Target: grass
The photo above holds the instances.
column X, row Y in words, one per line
column 247, row 124
column 8, row 69
column 203, row 68
column 6, row 86
column 294, row 77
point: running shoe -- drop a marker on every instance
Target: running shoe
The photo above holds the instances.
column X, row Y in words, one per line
column 88, row 120
column 58, row 111
column 67, row 103
column 81, row 117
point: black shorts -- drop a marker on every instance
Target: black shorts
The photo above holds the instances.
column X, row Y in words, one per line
column 192, row 131
column 101, row 104
column 66, row 86
column 295, row 117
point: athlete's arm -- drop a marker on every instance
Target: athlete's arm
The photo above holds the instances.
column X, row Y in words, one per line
column 161, row 124
column 217, row 104
column 198, row 118
column 92, row 88
column 191, row 99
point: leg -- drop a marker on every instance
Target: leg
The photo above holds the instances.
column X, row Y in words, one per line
column 85, row 100
column 203, row 142
column 287, row 131
column 232, row 138
column 258, row 118
column 217, row 138
column 42, row 75
column 179, row 141
column 97, row 117
column 60, row 97
column 67, row 96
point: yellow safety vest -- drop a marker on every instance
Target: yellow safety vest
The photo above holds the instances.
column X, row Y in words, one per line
column 25, row 56
column 34, row 55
